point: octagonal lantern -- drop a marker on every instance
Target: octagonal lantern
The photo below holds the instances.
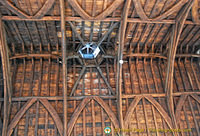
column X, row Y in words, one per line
column 89, row 51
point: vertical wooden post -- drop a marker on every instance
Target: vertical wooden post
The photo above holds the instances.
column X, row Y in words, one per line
column 6, row 77
column 176, row 33
column 120, row 61
column 64, row 65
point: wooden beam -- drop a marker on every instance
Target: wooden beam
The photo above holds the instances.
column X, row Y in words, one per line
column 120, row 60
column 6, row 76
column 64, row 65
column 109, row 19
column 176, row 33
column 140, row 10
column 45, row 8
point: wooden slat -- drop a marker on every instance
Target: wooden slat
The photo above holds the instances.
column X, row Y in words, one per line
column 64, row 66
column 177, row 29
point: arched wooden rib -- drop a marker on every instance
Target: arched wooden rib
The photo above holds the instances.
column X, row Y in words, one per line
column 46, row 7
column 109, row 10
column 160, row 110
column 54, row 115
column 79, row 9
column 179, row 107
column 19, row 115
column 140, row 10
column 131, row 109
column 195, row 14
column 102, row 15
column 15, row 10
column 108, row 111
column 76, row 114
column 171, row 10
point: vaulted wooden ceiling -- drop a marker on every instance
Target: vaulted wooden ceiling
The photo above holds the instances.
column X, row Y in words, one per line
column 146, row 75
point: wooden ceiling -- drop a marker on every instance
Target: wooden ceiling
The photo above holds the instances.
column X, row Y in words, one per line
column 147, row 70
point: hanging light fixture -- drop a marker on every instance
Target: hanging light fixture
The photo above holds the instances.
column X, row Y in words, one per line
column 89, row 51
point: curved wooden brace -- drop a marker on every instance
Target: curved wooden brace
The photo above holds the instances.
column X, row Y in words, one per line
column 19, row 115
column 79, row 109
column 76, row 114
column 46, row 7
column 171, row 10
column 179, row 107
column 102, row 15
column 108, row 111
column 15, row 10
column 154, row 103
column 140, row 10
column 181, row 103
column 131, row 109
column 160, row 110
column 195, row 14
column 54, row 115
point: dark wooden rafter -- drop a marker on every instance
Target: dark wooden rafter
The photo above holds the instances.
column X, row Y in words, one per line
column 46, row 7
column 176, row 32
column 6, row 76
column 122, row 32
column 27, row 106
column 64, row 65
